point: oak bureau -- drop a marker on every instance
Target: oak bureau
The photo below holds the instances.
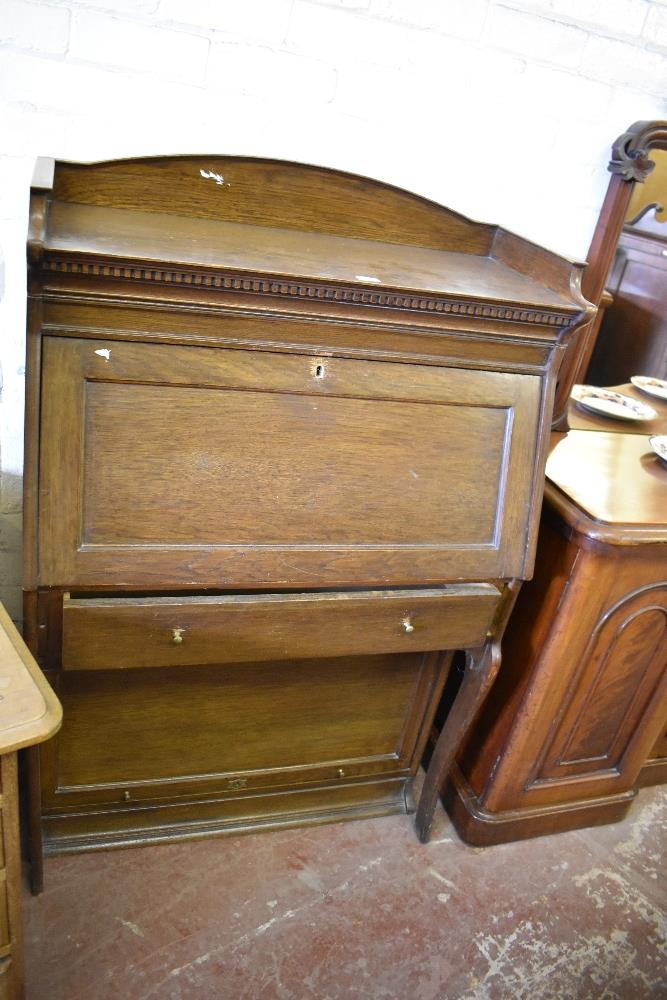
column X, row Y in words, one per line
column 285, row 444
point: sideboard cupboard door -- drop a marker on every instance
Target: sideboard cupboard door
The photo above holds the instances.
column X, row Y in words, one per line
column 247, row 469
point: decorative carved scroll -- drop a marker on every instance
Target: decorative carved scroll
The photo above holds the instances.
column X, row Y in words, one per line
column 629, row 165
column 629, row 154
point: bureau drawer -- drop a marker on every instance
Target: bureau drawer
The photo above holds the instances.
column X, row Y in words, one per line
column 106, row 633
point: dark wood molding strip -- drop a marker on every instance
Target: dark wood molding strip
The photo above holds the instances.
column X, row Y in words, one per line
column 316, row 291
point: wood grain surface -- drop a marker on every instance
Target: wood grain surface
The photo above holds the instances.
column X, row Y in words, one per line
column 210, row 467
column 290, row 253
column 29, row 710
column 613, row 478
column 256, row 392
column 271, row 193
column 103, row 633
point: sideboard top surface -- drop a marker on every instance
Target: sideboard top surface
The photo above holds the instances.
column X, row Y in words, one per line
column 608, row 486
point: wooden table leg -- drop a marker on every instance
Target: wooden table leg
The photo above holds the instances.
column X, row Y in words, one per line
column 482, row 665
column 480, row 671
column 35, row 847
column 11, row 931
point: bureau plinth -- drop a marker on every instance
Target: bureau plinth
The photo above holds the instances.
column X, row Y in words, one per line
column 286, row 430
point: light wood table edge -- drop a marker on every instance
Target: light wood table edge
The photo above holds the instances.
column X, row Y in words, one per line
column 15, row 662
column 47, row 725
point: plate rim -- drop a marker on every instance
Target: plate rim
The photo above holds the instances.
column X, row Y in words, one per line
column 642, row 388
column 631, row 415
column 652, row 438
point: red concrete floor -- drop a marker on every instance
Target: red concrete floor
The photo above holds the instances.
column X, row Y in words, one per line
column 359, row 910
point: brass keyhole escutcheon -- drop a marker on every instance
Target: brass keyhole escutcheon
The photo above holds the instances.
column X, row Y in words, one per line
column 340, row 772
column 407, row 625
column 177, row 635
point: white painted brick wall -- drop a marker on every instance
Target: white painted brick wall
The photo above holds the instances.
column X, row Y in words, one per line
column 546, row 40
column 142, row 48
column 625, row 65
column 112, row 6
column 245, row 69
column 339, row 36
column 250, row 20
column 620, row 18
column 501, row 109
column 456, row 18
column 655, row 28
column 33, row 26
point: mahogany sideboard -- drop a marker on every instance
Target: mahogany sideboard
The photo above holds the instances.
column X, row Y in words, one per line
column 29, row 714
column 285, row 445
column 578, row 717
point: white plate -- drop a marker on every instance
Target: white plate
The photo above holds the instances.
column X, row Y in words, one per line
column 611, row 404
column 653, row 386
column 659, row 444
column 579, row 391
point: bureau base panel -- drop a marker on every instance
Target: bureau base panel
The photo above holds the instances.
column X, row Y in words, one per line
column 481, row 828
column 136, row 826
